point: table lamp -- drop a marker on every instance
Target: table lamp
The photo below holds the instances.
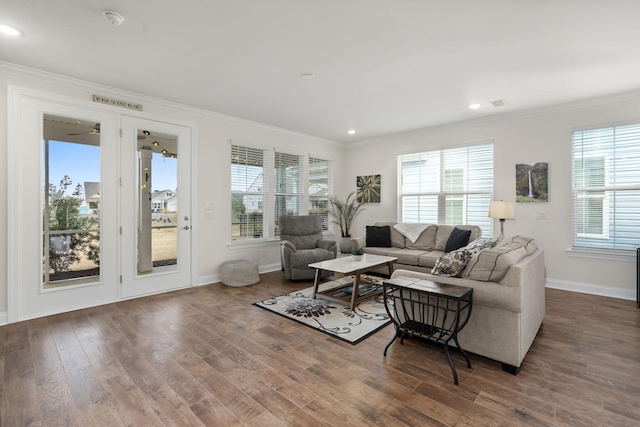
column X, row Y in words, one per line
column 502, row 210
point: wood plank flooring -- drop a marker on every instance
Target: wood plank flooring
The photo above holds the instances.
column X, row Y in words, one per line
column 207, row 356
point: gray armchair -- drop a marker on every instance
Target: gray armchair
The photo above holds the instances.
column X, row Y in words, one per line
column 302, row 244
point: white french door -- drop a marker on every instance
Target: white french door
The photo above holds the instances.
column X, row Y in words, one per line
column 99, row 205
column 63, row 244
column 155, row 209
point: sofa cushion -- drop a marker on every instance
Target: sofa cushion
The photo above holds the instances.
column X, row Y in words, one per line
column 397, row 239
column 457, row 239
column 378, row 236
column 426, row 241
column 411, row 230
column 406, row 256
column 379, row 250
column 429, row 259
column 492, row 264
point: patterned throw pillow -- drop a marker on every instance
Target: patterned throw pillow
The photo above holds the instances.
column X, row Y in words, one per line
column 482, row 243
column 452, row 263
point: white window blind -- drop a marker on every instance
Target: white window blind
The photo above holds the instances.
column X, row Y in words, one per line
column 606, row 188
column 452, row 186
column 249, row 193
column 289, row 188
column 320, row 189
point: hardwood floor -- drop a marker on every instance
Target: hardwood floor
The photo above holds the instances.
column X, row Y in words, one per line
column 207, row 356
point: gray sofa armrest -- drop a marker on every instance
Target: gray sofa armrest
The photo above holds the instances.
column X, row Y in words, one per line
column 358, row 242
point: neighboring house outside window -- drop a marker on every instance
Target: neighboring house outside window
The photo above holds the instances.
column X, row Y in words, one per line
column 606, row 188
column 452, row 186
column 320, row 190
column 248, row 193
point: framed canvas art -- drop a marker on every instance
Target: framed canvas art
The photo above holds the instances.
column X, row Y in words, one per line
column 532, row 182
column 368, row 188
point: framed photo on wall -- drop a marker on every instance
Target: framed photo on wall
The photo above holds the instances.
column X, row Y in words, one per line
column 368, row 188
column 532, row 182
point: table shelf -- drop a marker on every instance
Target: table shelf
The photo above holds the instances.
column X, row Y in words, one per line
column 429, row 310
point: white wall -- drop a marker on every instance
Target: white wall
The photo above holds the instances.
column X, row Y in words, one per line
column 213, row 152
column 539, row 137
column 526, row 139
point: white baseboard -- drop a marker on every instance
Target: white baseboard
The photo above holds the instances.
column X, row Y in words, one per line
column 3, row 318
column 588, row 288
column 215, row 278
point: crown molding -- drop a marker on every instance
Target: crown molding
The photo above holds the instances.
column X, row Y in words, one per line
column 574, row 105
column 115, row 92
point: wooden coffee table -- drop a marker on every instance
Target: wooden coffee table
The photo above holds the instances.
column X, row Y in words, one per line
column 349, row 265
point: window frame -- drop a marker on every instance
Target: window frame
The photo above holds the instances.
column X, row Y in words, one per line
column 433, row 199
column 619, row 144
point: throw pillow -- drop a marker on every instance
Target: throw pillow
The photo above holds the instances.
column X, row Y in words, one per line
column 483, row 243
column 458, row 239
column 452, row 263
column 378, row 237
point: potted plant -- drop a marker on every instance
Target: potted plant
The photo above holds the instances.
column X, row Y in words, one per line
column 343, row 213
column 357, row 254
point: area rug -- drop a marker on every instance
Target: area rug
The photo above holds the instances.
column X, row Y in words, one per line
column 331, row 317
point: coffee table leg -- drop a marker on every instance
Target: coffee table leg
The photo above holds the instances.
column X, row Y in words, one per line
column 354, row 293
column 315, row 284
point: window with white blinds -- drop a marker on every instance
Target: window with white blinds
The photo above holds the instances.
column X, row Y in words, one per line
column 249, row 193
column 606, row 188
column 452, row 186
column 288, row 185
column 320, row 189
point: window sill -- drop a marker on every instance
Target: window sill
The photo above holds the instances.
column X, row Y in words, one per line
column 243, row 244
column 627, row 256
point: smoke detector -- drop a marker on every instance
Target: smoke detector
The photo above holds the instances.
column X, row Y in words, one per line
column 499, row 103
column 112, row 17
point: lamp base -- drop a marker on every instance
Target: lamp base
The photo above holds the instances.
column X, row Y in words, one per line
column 501, row 235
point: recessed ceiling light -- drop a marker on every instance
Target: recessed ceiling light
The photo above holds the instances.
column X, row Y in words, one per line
column 351, row 132
column 9, row 31
column 475, row 106
column 308, row 76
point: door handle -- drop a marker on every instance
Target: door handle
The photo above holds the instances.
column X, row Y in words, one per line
column 186, row 227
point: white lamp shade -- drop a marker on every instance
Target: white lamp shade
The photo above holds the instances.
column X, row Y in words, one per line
column 502, row 210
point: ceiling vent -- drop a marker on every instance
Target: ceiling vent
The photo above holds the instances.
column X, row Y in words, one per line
column 499, row 103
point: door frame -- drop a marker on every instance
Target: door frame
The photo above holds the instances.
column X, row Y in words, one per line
column 15, row 96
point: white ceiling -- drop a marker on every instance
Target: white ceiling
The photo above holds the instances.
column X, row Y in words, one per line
column 381, row 66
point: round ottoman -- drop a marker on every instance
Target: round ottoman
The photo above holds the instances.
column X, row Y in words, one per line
column 239, row 272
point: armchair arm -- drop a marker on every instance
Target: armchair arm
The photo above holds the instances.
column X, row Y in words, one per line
column 358, row 242
column 329, row 245
column 287, row 244
column 326, row 244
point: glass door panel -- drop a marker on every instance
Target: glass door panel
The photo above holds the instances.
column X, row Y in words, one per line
column 71, row 208
column 155, row 200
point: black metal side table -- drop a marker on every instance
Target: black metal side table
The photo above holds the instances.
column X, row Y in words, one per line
column 436, row 312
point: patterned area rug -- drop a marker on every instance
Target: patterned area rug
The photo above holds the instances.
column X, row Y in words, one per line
column 331, row 317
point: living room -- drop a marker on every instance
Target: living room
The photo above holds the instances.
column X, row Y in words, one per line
column 519, row 136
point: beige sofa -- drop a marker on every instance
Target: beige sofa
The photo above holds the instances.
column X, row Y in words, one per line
column 420, row 255
column 508, row 284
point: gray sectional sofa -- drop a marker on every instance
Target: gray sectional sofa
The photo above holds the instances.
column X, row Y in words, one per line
column 508, row 282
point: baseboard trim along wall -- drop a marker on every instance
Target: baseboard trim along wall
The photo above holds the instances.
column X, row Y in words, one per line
column 215, row 278
column 587, row 288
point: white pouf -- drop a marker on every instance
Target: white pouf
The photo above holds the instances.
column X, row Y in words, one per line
column 239, row 272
